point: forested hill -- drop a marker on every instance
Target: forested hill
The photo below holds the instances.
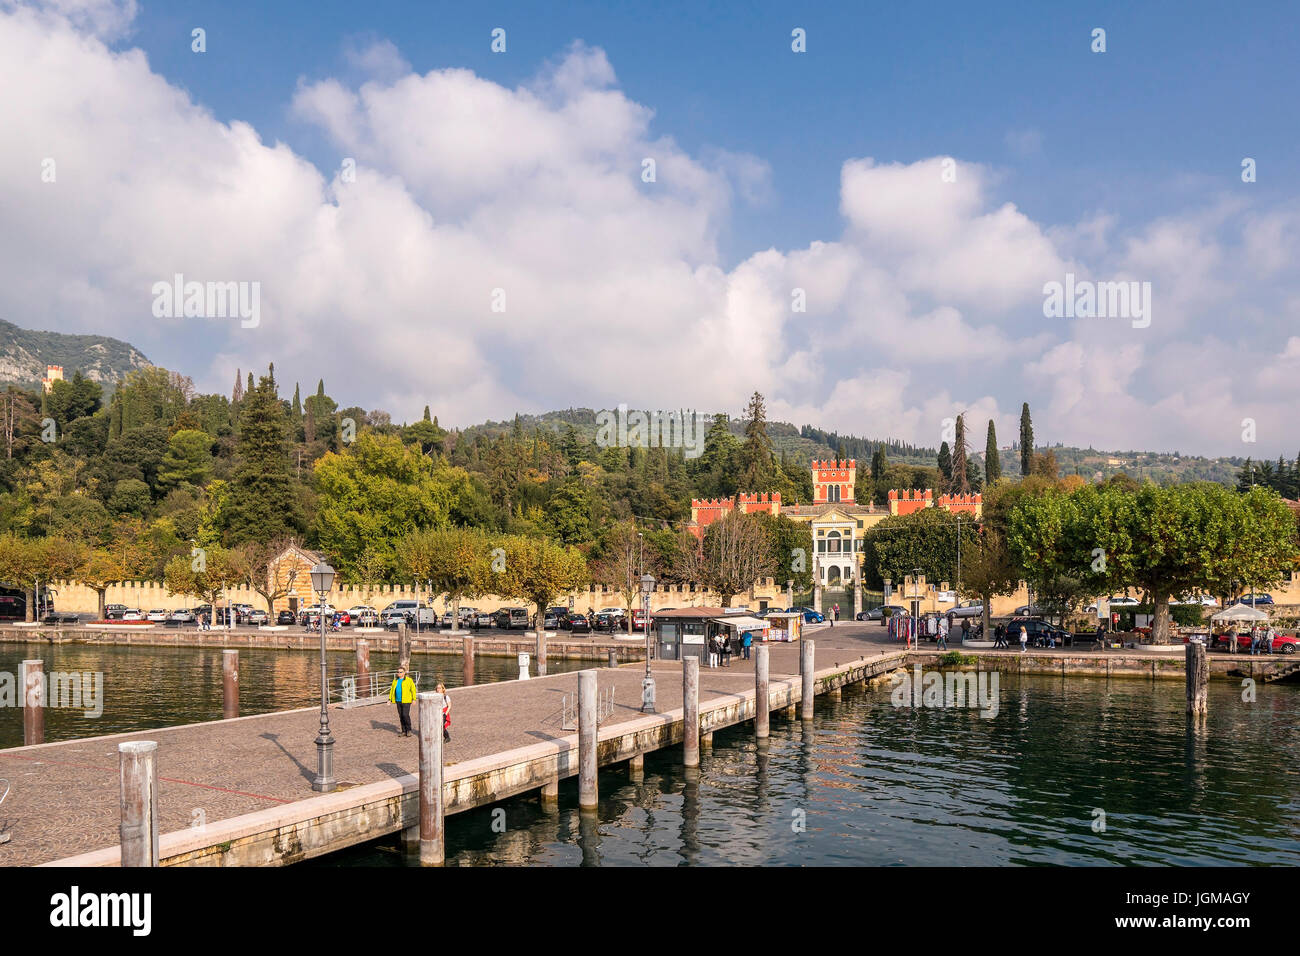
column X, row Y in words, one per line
column 25, row 353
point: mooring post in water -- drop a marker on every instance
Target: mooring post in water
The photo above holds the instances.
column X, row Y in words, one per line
column 806, row 658
column 229, row 683
column 541, row 648
column 613, row 657
column 691, row 711
column 403, row 645
column 467, row 661
column 363, row 667
column 31, row 674
column 587, row 793
column 1198, row 680
column 636, row 767
column 761, row 697
column 138, row 831
column 432, row 823
column 550, row 794
column 706, row 740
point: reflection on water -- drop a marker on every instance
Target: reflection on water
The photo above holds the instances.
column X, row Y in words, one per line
column 866, row 784
column 147, row 687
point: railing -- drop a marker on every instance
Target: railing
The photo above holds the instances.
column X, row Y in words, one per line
column 604, row 708
column 352, row 691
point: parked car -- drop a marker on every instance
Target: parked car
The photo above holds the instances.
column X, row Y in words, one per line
column 610, row 619
column 412, row 611
column 555, row 617
column 114, row 612
column 357, row 610
column 577, row 623
column 810, row 615
column 1259, row 600
column 482, row 619
column 314, row 610
column 467, row 615
column 882, row 613
column 1204, row 600
column 363, row 616
column 284, row 618
column 158, row 614
column 182, row 615
column 1039, row 632
column 132, row 614
column 257, row 617
column 1282, row 643
column 511, row 618
column 967, row 609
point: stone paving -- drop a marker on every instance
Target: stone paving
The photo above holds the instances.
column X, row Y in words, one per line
column 64, row 796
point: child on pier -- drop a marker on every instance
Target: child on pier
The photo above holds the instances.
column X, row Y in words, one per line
column 446, row 712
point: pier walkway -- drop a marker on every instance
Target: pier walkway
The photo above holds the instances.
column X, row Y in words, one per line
column 239, row 790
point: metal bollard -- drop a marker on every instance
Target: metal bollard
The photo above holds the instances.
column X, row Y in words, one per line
column 691, row 711
column 762, row 698
column 229, row 683
column 588, row 795
column 432, row 822
column 138, row 831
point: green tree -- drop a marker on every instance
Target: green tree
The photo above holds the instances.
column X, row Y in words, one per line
column 263, row 503
column 992, row 465
column 960, row 483
column 188, row 460
column 945, row 466
column 457, row 560
column 757, row 464
column 70, row 399
column 376, row 491
column 538, row 571
column 1026, row 441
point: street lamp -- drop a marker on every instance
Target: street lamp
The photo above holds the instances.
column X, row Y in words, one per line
column 648, row 684
column 322, row 580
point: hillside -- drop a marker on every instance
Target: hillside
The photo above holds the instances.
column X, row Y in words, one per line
column 25, row 353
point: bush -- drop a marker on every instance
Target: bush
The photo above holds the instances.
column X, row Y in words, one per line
column 956, row 659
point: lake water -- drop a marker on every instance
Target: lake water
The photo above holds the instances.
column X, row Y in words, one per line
column 868, row 784
column 147, row 687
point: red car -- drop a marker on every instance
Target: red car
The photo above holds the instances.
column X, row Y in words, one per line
column 1282, row 643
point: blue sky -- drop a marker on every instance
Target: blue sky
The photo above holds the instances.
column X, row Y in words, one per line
column 1183, row 92
column 820, row 174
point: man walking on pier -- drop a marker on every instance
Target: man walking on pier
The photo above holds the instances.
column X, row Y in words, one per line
column 402, row 693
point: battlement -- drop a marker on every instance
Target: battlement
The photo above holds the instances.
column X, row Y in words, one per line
column 948, row 500
column 836, row 465
column 756, row 499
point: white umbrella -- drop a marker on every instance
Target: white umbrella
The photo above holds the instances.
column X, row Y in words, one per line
column 1240, row 612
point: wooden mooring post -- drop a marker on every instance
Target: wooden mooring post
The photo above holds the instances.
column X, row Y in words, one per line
column 432, row 812
column 138, row 831
column 32, row 677
column 467, row 661
column 807, row 656
column 229, row 683
column 363, row 667
column 691, row 711
column 588, row 794
column 762, row 716
column 1198, row 680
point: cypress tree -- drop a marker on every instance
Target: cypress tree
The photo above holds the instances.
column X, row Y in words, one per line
column 945, row 464
column 1026, row 441
column 427, row 417
column 263, row 503
column 992, row 465
column 960, row 484
column 237, row 394
column 297, row 405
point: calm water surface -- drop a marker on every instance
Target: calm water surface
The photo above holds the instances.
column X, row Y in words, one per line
column 147, row 687
column 872, row 785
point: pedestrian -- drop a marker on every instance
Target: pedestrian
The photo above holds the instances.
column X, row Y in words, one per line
column 837, row 615
column 402, row 692
column 965, row 629
column 749, row 639
column 726, row 651
column 441, row 688
column 943, row 635
column 1267, row 641
column 1024, row 639
column 713, row 651
column 1254, row 639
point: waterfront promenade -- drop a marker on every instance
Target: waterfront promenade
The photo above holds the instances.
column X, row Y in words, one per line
column 64, row 797
column 239, row 791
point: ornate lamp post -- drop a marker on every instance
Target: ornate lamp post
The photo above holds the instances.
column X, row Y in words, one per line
column 648, row 684
column 322, row 580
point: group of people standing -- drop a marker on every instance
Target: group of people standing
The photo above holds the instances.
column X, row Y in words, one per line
column 723, row 646
column 936, row 627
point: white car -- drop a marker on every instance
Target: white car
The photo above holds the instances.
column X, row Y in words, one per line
column 132, row 614
column 1204, row 600
column 1114, row 602
column 158, row 614
column 467, row 615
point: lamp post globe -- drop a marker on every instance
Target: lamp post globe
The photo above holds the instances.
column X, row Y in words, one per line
column 322, row 580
